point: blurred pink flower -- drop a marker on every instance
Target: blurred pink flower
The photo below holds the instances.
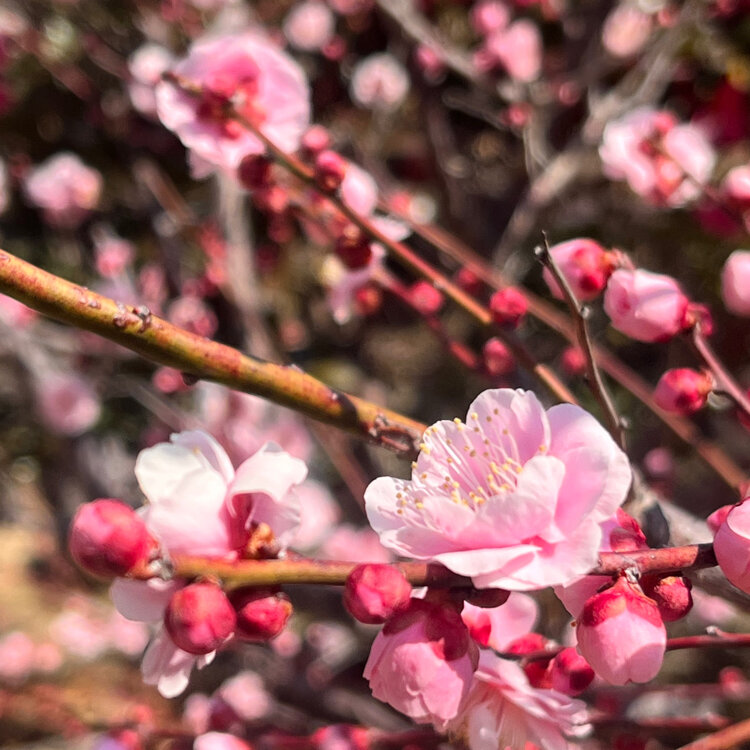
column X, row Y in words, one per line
column 319, row 514
column 488, row 16
column 514, row 498
column 517, row 49
column 246, row 695
column 16, row 657
column 663, row 161
column 219, row 741
column 379, row 82
column 735, row 283
column 199, row 505
column 351, row 544
column 113, row 254
column 626, row 30
column 146, row 66
column 309, row 25
column 266, row 86
column 64, row 188
column 422, row 662
column 503, row 710
column 66, row 403
column 646, row 306
column 15, row 313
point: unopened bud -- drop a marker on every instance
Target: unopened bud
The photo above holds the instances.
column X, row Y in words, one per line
column 353, row 248
column 570, row 673
column 682, row 390
column 261, row 613
column 108, row 538
column 199, row 618
column 537, row 670
column 508, row 306
column 671, row 594
column 573, row 361
column 315, row 140
column 254, row 172
column 374, row 592
column 498, row 359
column 425, row 298
column 330, row 170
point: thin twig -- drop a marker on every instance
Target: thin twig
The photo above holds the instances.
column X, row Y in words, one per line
column 158, row 340
column 578, row 313
column 731, row 737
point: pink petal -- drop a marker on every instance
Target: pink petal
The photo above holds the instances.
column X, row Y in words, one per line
column 166, row 666
column 209, row 448
column 142, row 601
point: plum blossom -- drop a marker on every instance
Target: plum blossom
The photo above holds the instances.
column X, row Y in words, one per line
column 146, row 66
column 64, row 188
column 264, row 84
column 309, row 25
column 379, row 82
column 517, row 49
column 498, row 627
column 513, row 498
column 503, row 710
column 199, row 505
column 735, row 283
column 626, row 30
column 664, row 161
column 67, row 403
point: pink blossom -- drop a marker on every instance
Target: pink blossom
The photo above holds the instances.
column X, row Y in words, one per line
column 16, row 656
column 219, row 741
column 246, row 696
column 732, row 545
column 683, row 390
column 199, row 505
column 15, row 313
column 422, row 662
column 146, row 66
column 64, row 188
column 621, row 634
column 309, row 25
column 113, row 253
column 626, row 30
column 488, row 16
column 514, row 498
column 351, row 544
column 265, row 84
column 645, row 306
column 319, row 514
column 379, row 82
column 517, row 49
column 497, row 627
column 662, row 161
column 735, row 283
column 66, row 403
column 584, row 264
column 503, row 710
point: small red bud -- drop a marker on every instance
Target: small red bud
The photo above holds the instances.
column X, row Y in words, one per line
column 469, row 281
column 330, row 170
column 199, row 618
column 537, row 671
column 107, row 538
column 570, row 672
column 425, row 298
column 508, row 306
column 683, row 390
column 573, row 361
column 353, row 248
column 254, row 172
column 262, row 613
column 315, row 140
column 374, row 592
column 498, row 359
column 671, row 594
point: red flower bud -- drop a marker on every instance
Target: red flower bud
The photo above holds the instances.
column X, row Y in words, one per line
column 425, row 298
column 107, row 538
column 374, row 592
column 498, row 359
column 537, row 671
column 315, row 140
column 330, row 170
column 262, row 613
column 199, row 618
column 573, row 361
column 683, row 390
column 508, row 306
column 353, row 248
column 469, row 281
column 254, row 172
column 671, row 594
column 570, row 673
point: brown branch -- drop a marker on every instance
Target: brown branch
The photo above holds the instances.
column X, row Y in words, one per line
column 731, row 737
column 160, row 341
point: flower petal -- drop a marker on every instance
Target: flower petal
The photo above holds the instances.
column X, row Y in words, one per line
column 143, row 601
column 166, row 666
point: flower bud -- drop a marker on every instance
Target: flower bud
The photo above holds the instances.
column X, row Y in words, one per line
column 353, row 248
column 261, row 613
column 682, row 390
column 573, row 361
column 330, row 170
column 508, row 306
column 645, row 306
column 584, row 264
column 425, row 298
column 315, row 140
column 108, row 538
column 671, row 594
column 254, row 172
column 469, row 281
column 498, row 359
column 536, row 670
column 621, row 634
column 199, row 618
column 570, row 673
column 718, row 517
column 732, row 546
column 735, row 283
column 374, row 592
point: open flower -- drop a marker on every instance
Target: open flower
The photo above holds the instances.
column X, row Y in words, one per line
column 199, row 505
column 263, row 83
column 514, row 498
